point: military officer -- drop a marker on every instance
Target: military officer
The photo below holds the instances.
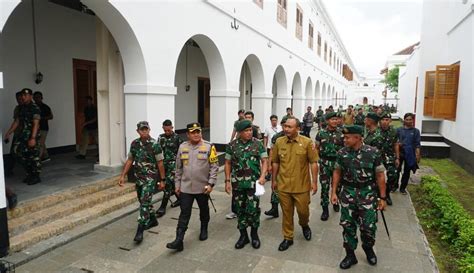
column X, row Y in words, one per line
column 146, row 157
column 360, row 171
column 390, row 151
column 328, row 142
column 319, row 116
column 196, row 174
column 256, row 132
column 372, row 133
column 274, row 200
column 10, row 164
column 169, row 142
column 243, row 159
column 27, row 144
column 360, row 117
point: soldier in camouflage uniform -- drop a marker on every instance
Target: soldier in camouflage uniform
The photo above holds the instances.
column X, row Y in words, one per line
column 328, row 142
column 256, row 132
column 146, row 157
column 244, row 156
column 389, row 149
column 274, row 200
column 319, row 116
column 10, row 163
column 169, row 142
column 26, row 145
column 360, row 117
column 372, row 135
column 360, row 171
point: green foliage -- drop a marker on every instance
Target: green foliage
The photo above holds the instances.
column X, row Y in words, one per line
column 391, row 79
column 451, row 220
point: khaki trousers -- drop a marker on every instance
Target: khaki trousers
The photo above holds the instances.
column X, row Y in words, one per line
column 85, row 140
column 288, row 202
column 43, row 150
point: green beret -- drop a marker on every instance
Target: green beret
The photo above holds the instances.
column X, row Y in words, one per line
column 283, row 120
column 386, row 115
column 330, row 115
column 353, row 129
column 373, row 116
column 242, row 125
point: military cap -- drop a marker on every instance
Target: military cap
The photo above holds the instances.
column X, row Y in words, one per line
column 26, row 91
column 339, row 114
column 243, row 124
column 193, row 127
column 386, row 115
column 143, row 124
column 373, row 116
column 330, row 115
column 353, row 129
column 283, row 120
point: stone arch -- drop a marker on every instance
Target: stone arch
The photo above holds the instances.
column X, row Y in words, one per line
column 309, row 94
column 281, row 98
column 251, row 81
column 297, row 97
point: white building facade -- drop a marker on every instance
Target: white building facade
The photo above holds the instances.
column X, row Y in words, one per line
column 437, row 83
column 185, row 61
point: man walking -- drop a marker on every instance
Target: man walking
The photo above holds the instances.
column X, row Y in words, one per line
column 246, row 160
column 89, row 128
column 360, row 171
column 291, row 159
column 169, row 142
column 410, row 150
column 196, row 174
column 308, row 120
column 328, row 142
column 46, row 115
column 270, row 131
column 390, row 152
column 241, row 114
column 146, row 157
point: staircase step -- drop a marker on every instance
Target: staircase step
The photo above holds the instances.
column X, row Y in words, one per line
column 43, row 202
column 435, row 149
column 432, row 137
column 34, row 235
column 62, row 209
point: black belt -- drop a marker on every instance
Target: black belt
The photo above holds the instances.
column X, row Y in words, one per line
column 331, row 158
column 357, row 185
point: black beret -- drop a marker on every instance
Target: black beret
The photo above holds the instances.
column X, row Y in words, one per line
column 386, row 115
column 243, row 124
column 353, row 129
column 373, row 116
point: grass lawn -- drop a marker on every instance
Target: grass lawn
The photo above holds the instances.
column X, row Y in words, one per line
column 461, row 185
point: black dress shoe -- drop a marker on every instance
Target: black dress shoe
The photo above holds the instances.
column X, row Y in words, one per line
column 389, row 201
column 307, row 233
column 285, row 245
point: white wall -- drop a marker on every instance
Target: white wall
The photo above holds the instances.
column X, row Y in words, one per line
column 186, row 103
column 407, row 84
column 62, row 34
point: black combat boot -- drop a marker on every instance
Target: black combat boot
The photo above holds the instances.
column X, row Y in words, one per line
column 162, row 210
column 139, row 236
column 177, row 202
column 371, row 257
column 336, row 207
column 35, row 179
column 325, row 214
column 153, row 222
column 273, row 211
column 177, row 244
column 255, row 238
column 243, row 239
column 349, row 260
column 203, row 234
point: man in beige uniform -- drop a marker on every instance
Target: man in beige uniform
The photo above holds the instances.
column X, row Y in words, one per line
column 196, row 174
column 291, row 157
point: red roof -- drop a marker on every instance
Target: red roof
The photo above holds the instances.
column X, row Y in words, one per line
column 407, row 51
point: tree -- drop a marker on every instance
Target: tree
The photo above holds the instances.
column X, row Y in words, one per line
column 391, row 79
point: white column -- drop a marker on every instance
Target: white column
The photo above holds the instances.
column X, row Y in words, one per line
column 224, row 105
column 299, row 107
column 283, row 101
column 4, row 236
column 310, row 102
column 262, row 109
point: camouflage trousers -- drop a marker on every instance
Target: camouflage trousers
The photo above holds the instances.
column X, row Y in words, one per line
column 28, row 157
column 169, row 178
column 145, row 190
column 275, row 198
column 359, row 208
column 326, row 169
column 392, row 175
column 247, row 208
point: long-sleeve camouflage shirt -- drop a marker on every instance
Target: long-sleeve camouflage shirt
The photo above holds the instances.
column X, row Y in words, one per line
column 145, row 156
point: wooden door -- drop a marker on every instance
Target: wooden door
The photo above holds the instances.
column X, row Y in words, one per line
column 204, row 102
column 85, row 84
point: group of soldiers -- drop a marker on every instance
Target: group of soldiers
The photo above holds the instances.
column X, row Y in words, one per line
column 349, row 160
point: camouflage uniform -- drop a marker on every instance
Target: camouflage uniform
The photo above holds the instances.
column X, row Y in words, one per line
column 329, row 143
column 274, row 198
column 145, row 156
column 359, row 119
column 170, row 146
column 387, row 139
column 372, row 138
column 319, row 116
column 245, row 159
column 28, row 157
column 358, row 195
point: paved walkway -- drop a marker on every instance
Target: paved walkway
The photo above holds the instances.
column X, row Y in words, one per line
column 111, row 248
